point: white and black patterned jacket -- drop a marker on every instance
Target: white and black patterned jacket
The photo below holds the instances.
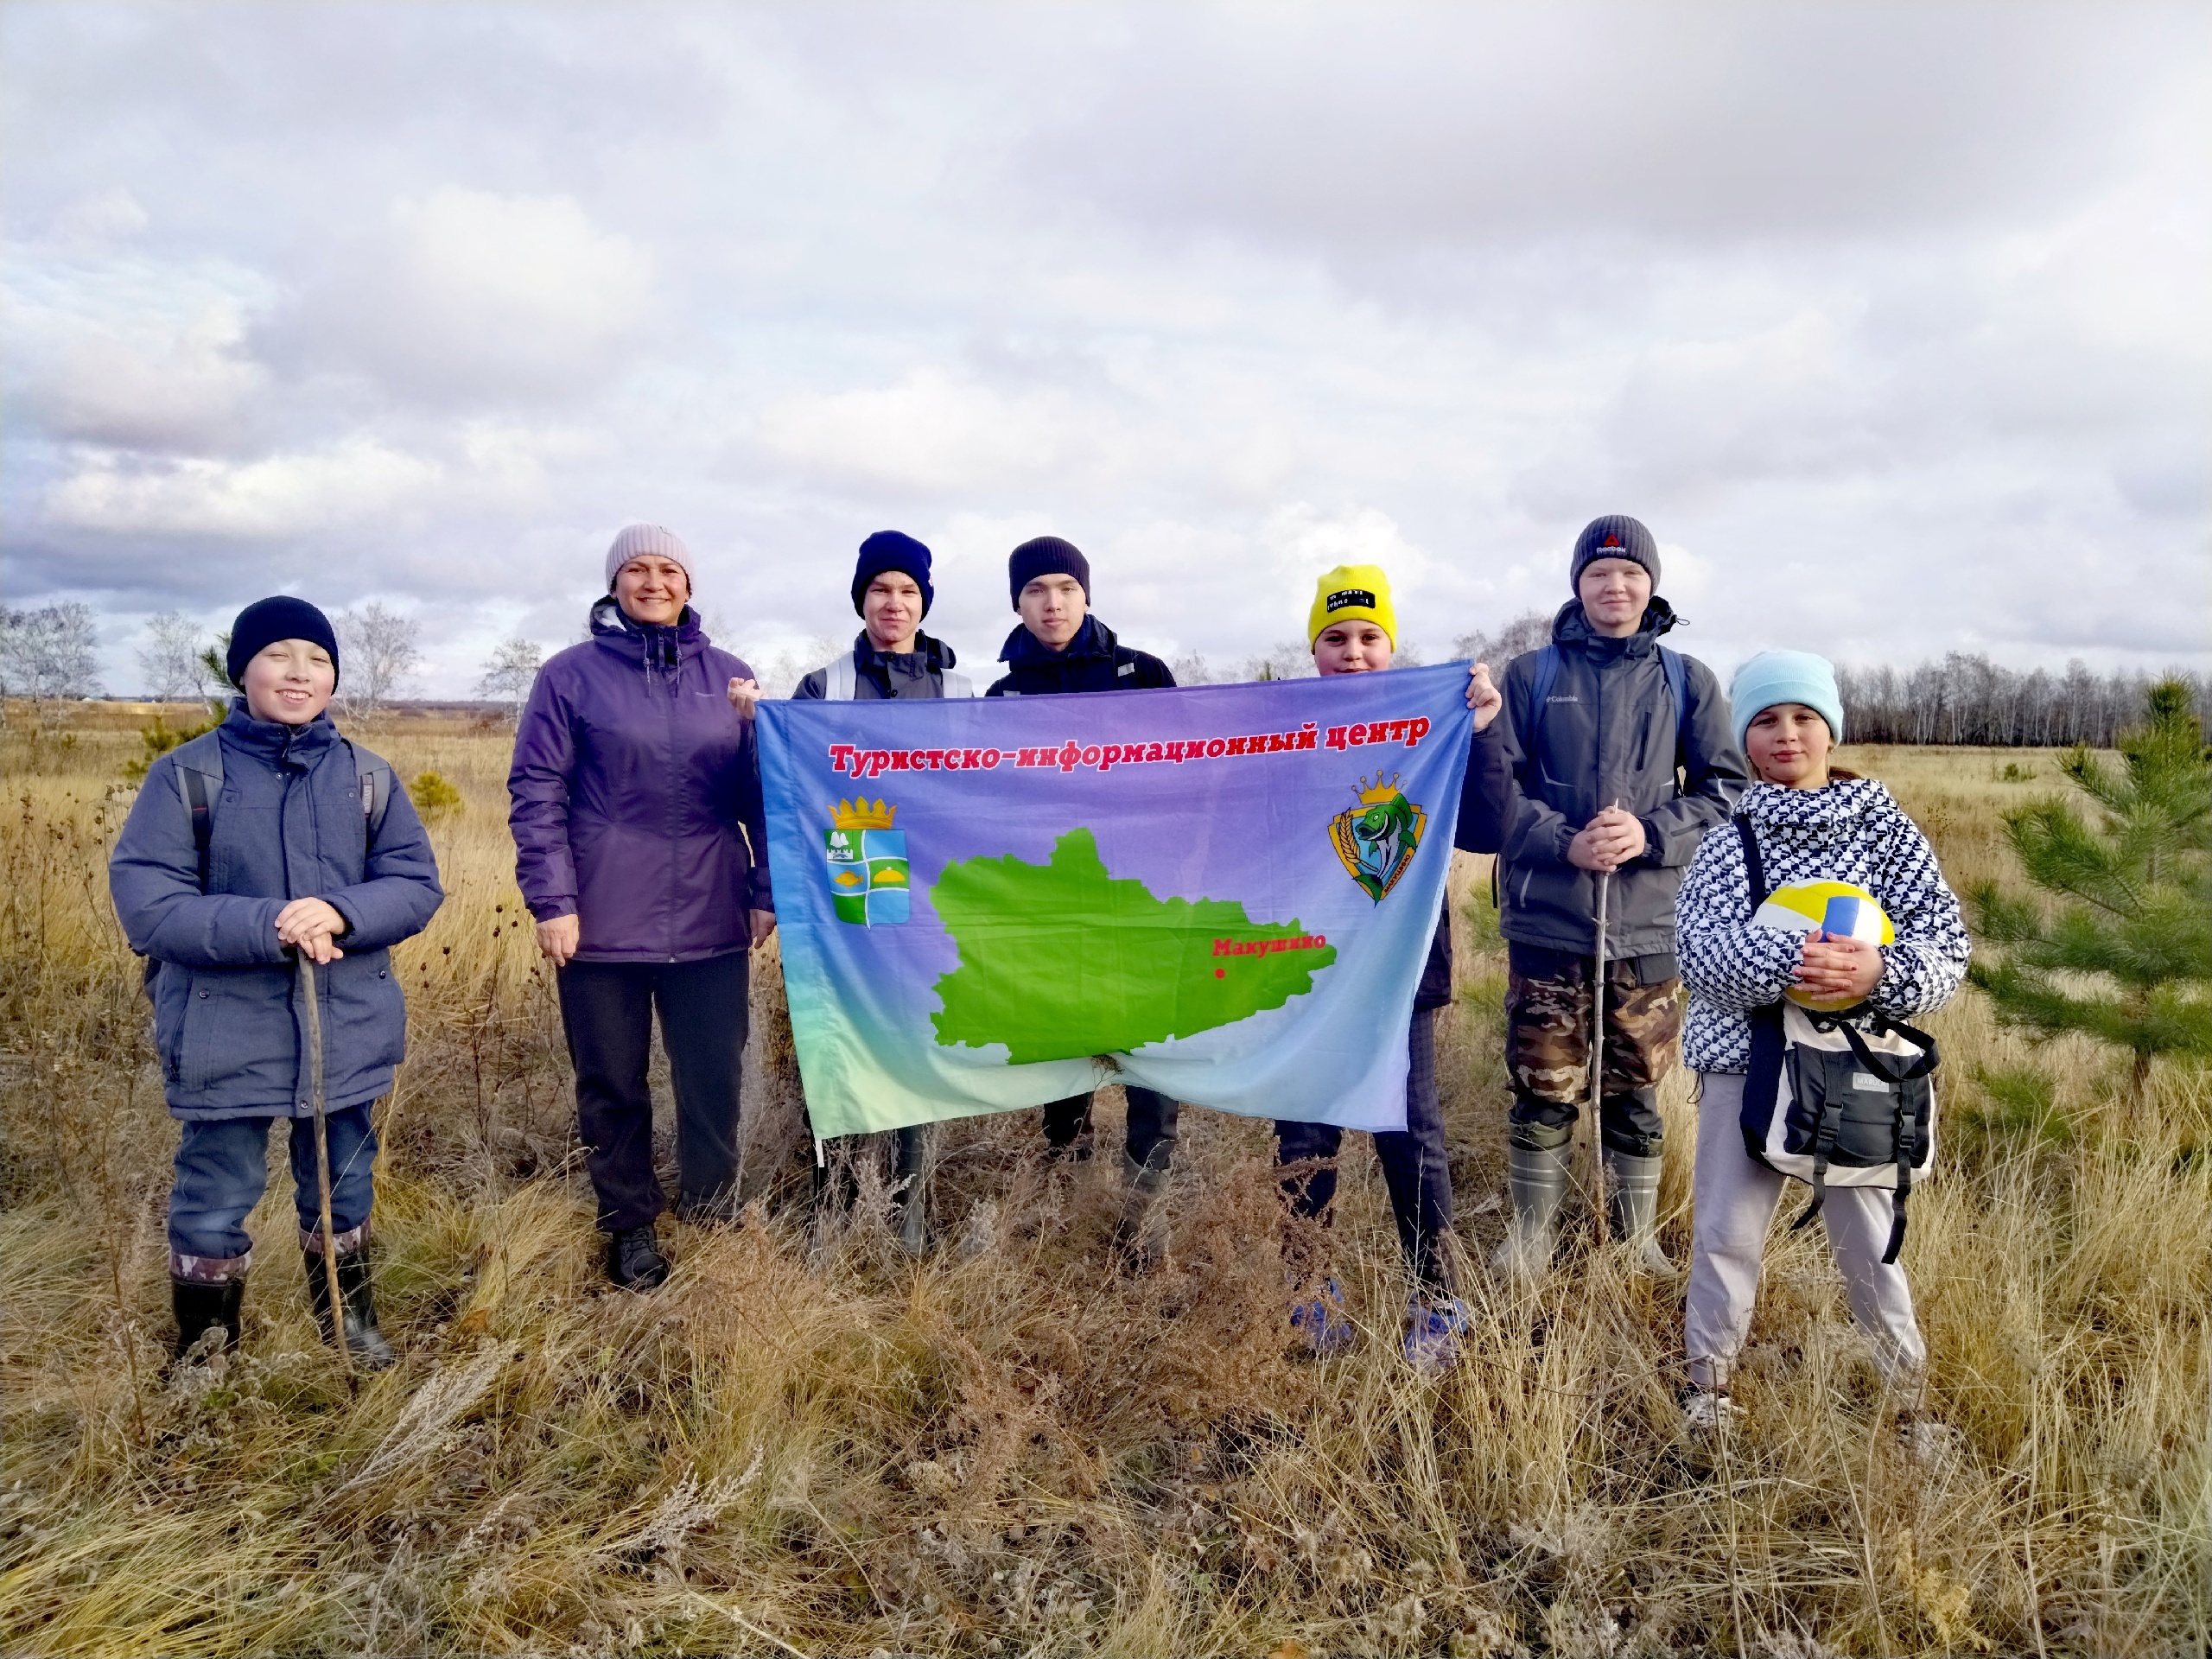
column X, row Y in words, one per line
column 1854, row 831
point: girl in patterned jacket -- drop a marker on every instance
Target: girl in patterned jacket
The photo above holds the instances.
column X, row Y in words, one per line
column 1814, row 822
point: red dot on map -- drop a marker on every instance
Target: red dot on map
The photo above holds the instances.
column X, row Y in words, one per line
column 1221, row 973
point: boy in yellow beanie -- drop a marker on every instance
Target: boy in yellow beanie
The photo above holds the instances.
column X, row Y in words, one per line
column 1353, row 629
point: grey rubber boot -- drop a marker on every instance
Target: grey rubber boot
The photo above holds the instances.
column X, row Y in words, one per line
column 1632, row 1208
column 1536, row 1178
column 915, row 1147
column 1140, row 1234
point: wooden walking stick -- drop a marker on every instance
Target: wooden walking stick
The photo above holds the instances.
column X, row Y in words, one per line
column 1597, row 1055
column 309, row 999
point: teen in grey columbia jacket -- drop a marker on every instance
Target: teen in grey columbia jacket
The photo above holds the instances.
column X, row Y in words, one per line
column 1609, row 731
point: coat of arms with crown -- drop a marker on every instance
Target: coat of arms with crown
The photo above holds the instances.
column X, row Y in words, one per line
column 1376, row 838
column 866, row 862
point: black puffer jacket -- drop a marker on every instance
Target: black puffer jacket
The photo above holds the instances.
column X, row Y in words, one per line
column 1609, row 732
column 1094, row 661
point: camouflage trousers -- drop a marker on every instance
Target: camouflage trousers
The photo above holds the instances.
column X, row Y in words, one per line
column 1548, row 1046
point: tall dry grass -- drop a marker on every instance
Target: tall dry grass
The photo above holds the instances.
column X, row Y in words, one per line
column 812, row 1446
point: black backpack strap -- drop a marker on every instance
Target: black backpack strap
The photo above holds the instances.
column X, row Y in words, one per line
column 197, row 804
column 376, row 783
column 1754, row 864
column 199, row 764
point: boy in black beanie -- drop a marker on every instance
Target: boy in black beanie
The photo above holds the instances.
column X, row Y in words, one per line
column 1061, row 647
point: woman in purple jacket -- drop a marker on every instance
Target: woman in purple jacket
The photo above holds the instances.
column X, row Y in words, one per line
column 641, row 850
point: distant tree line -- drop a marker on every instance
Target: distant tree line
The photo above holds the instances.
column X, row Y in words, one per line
column 1964, row 699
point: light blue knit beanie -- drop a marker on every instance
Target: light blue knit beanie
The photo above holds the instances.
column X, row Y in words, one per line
column 1774, row 677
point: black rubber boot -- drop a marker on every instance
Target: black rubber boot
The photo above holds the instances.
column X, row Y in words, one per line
column 911, row 1183
column 202, row 1307
column 634, row 1260
column 1140, row 1234
column 363, row 1340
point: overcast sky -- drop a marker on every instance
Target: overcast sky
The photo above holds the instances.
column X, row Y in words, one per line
column 1890, row 321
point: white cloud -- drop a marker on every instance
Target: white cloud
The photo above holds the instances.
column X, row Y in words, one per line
column 1894, row 317
column 283, row 495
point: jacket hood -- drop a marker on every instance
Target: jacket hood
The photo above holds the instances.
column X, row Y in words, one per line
column 1846, row 802
column 929, row 656
column 1093, row 638
column 274, row 741
column 1572, row 627
column 649, row 645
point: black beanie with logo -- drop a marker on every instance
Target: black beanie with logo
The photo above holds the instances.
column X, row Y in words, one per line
column 1616, row 536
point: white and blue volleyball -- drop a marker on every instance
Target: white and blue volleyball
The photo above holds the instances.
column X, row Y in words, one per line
column 1838, row 909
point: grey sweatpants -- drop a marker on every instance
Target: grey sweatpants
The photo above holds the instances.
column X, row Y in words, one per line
column 1735, row 1201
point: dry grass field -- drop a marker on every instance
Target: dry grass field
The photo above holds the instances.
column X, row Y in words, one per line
column 812, row 1446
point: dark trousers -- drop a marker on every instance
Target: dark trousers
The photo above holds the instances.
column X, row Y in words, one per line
column 1547, row 1047
column 1151, row 1135
column 606, row 1009
column 222, row 1168
column 1415, row 1167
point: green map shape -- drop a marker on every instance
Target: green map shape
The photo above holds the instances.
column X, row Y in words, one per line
column 1059, row 961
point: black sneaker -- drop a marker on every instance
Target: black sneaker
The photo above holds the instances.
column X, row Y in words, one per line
column 634, row 1260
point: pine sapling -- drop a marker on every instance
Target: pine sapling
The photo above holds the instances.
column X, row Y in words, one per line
column 2121, row 949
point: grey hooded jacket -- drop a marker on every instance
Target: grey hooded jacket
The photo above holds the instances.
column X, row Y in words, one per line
column 1609, row 732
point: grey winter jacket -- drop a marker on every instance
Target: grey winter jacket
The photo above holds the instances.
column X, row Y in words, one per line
column 289, row 824
column 1609, row 732
column 884, row 677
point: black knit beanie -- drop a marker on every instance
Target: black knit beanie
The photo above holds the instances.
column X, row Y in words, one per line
column 1616, row 536
column 265, row 621
column 887, row 549
column 1047, row 556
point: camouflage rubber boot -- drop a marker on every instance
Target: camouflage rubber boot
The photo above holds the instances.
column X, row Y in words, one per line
column 1140, row 1234
column 1632, row 1208
column 1537, row 1179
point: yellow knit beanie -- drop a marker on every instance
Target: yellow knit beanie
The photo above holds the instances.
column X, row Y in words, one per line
column 1353, row 592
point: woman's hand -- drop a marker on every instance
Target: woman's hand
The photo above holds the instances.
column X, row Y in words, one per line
column 557, row 939
column 1482, row 697
column 1835, row 966
column 743, row 695
column 763, row 923
column 311, row 926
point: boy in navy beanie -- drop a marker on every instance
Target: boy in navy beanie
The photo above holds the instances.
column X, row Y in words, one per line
column 892, row 660
column 266, row 849
column 1061, row 647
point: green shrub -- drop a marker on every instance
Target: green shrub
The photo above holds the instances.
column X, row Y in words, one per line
column 434, row 799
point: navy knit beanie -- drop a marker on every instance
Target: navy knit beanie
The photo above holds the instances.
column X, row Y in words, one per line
column 265, row 621
column 889, row 550
column 1616, row 536
column 1047, row 556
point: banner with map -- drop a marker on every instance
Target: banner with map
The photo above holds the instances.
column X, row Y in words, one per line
column 1222, row 893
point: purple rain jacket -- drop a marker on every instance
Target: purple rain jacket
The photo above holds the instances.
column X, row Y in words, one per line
column 636, row 795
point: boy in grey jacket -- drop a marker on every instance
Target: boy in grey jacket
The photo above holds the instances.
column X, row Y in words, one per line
column 270, row 840
column 1622, row 758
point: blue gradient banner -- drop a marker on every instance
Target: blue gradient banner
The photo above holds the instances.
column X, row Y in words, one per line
column 1222, row 893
